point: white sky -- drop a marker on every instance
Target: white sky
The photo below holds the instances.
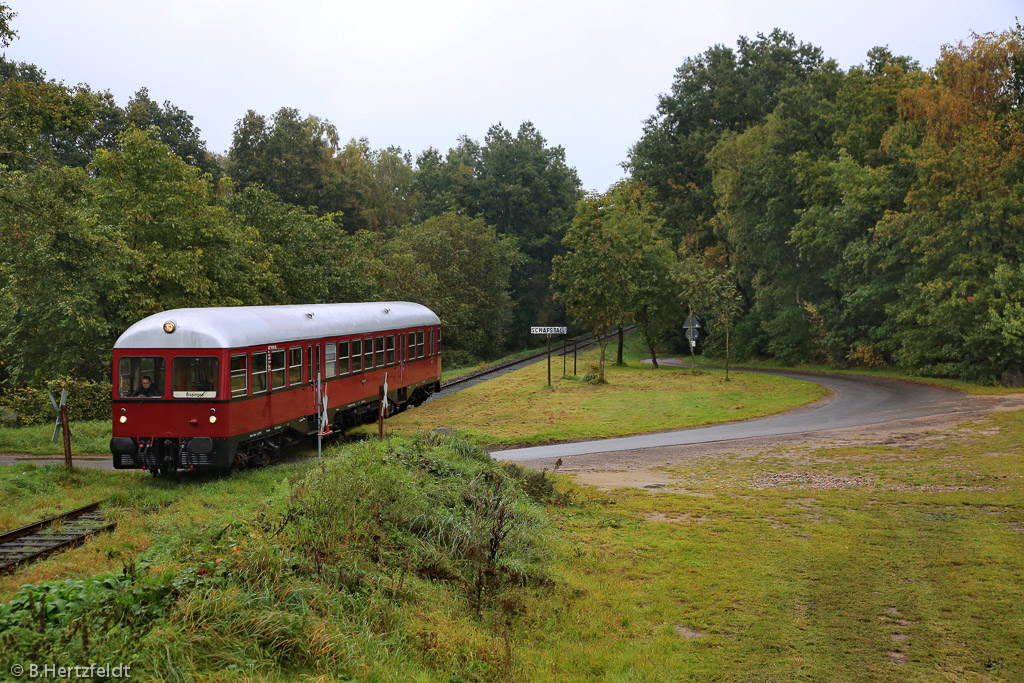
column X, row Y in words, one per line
column 417, row 74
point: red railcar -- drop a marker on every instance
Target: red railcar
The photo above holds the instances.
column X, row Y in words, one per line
column 213, row 388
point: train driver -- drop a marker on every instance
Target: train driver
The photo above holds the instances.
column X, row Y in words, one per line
column 147, row 388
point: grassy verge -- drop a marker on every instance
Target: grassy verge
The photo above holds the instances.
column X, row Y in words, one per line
column 519, row 409
column 884, row 371
column 90, row 437
column 407, row 560
column 448, row 374
column 892, row 563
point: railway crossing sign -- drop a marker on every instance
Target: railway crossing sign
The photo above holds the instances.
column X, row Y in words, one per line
column 62, row 423
column 548, row 331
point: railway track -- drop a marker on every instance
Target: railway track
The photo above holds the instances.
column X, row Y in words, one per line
column 567, row 347
column 37, row 540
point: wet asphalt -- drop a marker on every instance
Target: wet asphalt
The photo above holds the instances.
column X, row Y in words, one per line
column 855, row 401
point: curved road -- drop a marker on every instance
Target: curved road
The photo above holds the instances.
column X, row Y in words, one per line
column 856, row 400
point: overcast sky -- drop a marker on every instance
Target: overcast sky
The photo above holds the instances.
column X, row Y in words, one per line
column 419, row 74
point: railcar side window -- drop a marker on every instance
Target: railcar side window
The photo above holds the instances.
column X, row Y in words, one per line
column 380, row 352
column 390, row 348
column 331, row 359
column 277, row 369
column 419, row 343
column 239, row 375
column 259, row 372
column 195, row 377
column 134, row 374
column 430, row 342
column 412, row 346
column 368, row 353
column 295, row 365
column 357, row 355
column 343, row 367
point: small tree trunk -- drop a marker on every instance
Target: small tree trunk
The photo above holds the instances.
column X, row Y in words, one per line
column 618, row 360
column 693, row 358
column 727, row 353
column 654, row 354
column 602, row 341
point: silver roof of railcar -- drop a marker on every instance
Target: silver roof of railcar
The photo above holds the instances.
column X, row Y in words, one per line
column 239, row 326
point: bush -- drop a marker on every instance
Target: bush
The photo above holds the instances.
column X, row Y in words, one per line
column 435, row 504
column 86, row 401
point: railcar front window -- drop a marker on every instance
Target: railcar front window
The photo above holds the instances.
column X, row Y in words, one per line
column 239, row 376
column 277, row 369
column 195, row 377
column 140, row 376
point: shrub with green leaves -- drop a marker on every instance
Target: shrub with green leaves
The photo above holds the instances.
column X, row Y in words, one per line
column 341, row 572
column 86, row 401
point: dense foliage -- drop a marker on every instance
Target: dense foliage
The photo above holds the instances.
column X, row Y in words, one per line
column 110, row 214
column 350, row 566
column 869, row 216
column 852, row 217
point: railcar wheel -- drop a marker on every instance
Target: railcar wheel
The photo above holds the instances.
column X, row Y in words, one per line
column 240, row 461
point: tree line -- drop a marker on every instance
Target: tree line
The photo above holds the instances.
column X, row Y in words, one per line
column 801, row 212
column 852, row 217
column 110, row 214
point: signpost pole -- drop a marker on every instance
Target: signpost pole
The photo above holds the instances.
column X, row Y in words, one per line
column 319, row 419
column 549, row 359
column 380, row 420
column 548, row 331
column 67, row 434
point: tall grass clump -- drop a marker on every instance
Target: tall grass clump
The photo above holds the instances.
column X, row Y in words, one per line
column 396, row 560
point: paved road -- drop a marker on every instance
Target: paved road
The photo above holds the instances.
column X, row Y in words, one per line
column 855, row 401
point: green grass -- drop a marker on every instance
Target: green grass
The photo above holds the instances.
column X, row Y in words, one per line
column 900, row 562
column 90, row 437
column 385, row 562
column 910, row 571
column 448, row 374
column 520, row 409
column 878, row 371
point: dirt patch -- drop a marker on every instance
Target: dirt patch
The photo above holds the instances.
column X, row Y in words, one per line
column 687, row 632
column 646, row 468
column 639, row 478
column 808, row 480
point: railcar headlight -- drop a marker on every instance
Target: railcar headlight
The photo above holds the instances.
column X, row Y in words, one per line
column 213, row 416
column 169, row 326
column 123, row 418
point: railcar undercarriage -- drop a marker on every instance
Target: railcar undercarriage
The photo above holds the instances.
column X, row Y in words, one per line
column 167, row 455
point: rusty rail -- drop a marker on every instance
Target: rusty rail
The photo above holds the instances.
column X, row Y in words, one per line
column 39, row 539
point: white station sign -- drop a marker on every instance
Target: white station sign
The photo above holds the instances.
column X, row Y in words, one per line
column 548, row 330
